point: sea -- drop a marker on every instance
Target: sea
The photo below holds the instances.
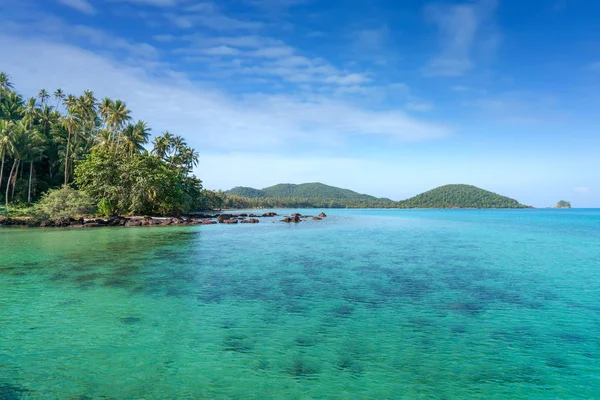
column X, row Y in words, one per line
column 365, row 304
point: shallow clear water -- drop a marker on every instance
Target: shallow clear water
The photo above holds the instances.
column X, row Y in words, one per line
column 367, row 304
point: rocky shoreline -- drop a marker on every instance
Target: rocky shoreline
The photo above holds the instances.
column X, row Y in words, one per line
column 193, row 219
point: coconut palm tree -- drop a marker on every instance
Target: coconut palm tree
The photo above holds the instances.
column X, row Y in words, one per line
column 5, row 83
column 71, row 123
column 118, row 115
column 5, row 144
column 34, row 150
column 46, row 116
column 17, row 149
column 43, row 96
column 135, row 137
column 102, row 138
column 59, row 95
column 162, row 145
column 11, row 109
column 31, row 111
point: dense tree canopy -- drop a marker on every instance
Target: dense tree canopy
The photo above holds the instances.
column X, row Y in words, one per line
column 96, row 147
column 459, row 196
column 303, row 195
column 563, row 204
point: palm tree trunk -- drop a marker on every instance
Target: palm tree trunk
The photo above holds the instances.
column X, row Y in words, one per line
column 2, row 170
column 67, row 159
column 29, row 190
column 8, row 183
column 12, row 193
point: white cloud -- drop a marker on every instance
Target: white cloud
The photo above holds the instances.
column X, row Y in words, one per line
column 277, row 5
column 208, row 15
column 459, row 26
column 419, row 106
column 156, row 3
column 83, row 6
column 222, row 51
column 209, row 118
column 582, row 189
column 100, row 38
column 268, row 57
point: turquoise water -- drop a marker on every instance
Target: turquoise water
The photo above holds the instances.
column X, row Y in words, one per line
column 367, row 304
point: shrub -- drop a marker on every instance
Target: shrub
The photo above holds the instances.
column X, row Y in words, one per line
column 63, row 204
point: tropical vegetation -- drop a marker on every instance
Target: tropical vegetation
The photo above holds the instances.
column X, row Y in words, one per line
column 459, row 196
column 563, row 204
column 82, row 143
column 306, row 195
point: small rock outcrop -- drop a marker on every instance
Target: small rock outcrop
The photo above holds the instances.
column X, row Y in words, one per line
column 322, row 215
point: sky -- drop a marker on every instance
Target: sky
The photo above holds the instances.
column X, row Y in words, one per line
column 384, row 97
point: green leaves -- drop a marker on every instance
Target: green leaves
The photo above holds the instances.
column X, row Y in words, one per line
column 63, row 204
column 139, row 184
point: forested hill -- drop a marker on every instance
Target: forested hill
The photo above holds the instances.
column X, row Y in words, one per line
column 320, row 195
column 459, row 196
column 311, row 194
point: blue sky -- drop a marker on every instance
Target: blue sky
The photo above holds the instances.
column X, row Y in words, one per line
column 388, row 98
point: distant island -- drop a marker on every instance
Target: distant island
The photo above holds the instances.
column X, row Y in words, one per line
column 460, row 196
column 306, row 195
column 318, row 195
column 563, row 204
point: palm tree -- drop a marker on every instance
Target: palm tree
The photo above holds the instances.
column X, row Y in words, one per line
column 102, row 138
column 46, row 116
column 5, row 83
column 135, row 136
column 71, row 123
column 34, row 150
column 17, row 148
column 31, row 111
column 105, row 106
column 11, row 108
column 162, row 144
column 43, row 96
column 118, row 115
column 59, row 95
column 5, row 144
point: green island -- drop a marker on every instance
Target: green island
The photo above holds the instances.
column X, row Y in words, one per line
column 306, row 195
column 460, row 196
column 318, row 195
column 563, row 204
column 65, row 157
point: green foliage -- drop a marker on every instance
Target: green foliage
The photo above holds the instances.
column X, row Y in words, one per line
column 139, row 184
column 41, row 145
column 63, row 204
column 459, row 196
column 563, row 204
column 309, row 195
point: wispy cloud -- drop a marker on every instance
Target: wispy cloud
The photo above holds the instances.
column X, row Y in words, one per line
column 267, row 57
column 83, row 6
column 173, row 102
column 156, row 3
column 459, row 26
column 277, row 5
column 208, row 15
column 582, row 189
column 521, row 108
